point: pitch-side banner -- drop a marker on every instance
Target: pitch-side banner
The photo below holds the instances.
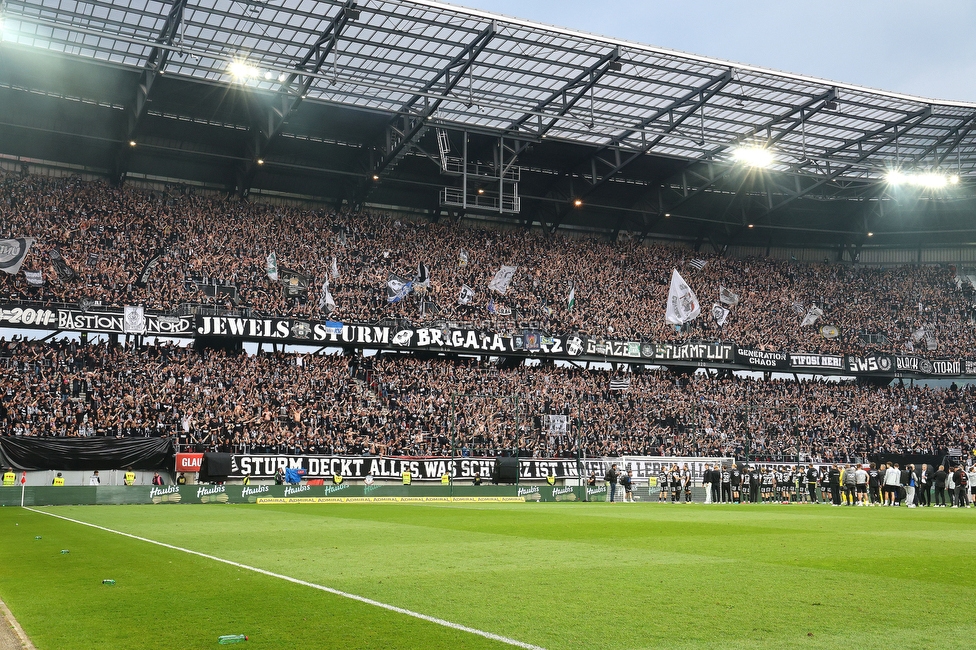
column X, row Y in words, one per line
column 432, row 469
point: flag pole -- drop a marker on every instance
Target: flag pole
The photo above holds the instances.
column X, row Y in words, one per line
column 23, row 487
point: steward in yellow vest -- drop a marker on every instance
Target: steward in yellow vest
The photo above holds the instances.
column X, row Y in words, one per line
column 9, row 478
column 129, row 478
column 551, row 479
column 445, row 479
column 336, row 479
column 406, row 478
column 58, row 480
column 246, row 480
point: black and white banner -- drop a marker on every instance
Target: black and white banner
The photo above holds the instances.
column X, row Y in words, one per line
column 295, row 284
column 64, row 271
column 89, row 317
column 432, row 469
column 762, row 359
column 816, row 362
column 34, row 278
column 147, row 269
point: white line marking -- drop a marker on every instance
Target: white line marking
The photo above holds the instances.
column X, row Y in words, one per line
column 362, row 599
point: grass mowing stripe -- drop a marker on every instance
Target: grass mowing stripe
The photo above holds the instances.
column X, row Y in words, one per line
column 368, row 601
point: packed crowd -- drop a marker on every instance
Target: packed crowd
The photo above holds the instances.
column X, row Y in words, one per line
column 107, row 234
column 404, row 406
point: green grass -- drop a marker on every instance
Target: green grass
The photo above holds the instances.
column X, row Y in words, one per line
column 554, row 575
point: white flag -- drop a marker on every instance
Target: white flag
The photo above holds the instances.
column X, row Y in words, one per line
column 13, row 252
column 811, row 316
column 335, row 267
column 326, row 302
column 720, row 314
column 726, row 297
column 683, row 304
column 462, row 257
column 502, row 279
column 466, row 296
column 272, row 268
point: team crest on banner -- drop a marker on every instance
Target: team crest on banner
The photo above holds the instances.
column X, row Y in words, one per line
column 301, row 330
column 574, row 346
column 402, row 337
column 134, row 321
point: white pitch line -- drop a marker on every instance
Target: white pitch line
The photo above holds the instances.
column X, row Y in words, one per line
column 304, row 583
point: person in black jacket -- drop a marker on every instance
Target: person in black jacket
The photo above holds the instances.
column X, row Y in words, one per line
column 736, row 477
column 833, row 477
column 627, row 480
column 611, row 479
column 810, row 477
column 939, row 478
column 961, row 480
column 755, row 483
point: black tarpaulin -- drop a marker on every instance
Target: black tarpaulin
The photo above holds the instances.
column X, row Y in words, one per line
column 30, row 453
column 215, row 467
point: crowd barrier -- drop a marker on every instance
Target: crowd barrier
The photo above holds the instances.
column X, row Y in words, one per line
column 270, row 494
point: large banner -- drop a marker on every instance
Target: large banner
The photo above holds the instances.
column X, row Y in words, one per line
column 573, row 345
column 463, row 469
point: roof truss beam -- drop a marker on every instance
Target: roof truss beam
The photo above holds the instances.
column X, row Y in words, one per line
column 155, row 63
column 292, row 91
column 571, row 94
column 617, row 163
column 411, row 121
column 908, row 121
column 805, row 110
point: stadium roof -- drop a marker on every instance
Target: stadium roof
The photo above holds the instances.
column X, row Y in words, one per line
column 644, row 138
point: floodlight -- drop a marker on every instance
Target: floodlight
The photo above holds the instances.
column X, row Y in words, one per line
column 241, row 71
column 895, row 177
column 282, row 77
column 870, row 234
column 753, row 156
column 931, row 180
column 926, row 180
column 578, row 202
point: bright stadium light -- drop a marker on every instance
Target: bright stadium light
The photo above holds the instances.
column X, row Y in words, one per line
column 925, row 180
column 931, row 180
column 754, row 156
column 895, row 177
column 241, row 71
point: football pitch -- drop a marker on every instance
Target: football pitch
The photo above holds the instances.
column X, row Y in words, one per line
column 488, row 575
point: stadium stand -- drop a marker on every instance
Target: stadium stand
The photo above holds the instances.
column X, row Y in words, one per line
column 401, row 406
column 108, row 234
